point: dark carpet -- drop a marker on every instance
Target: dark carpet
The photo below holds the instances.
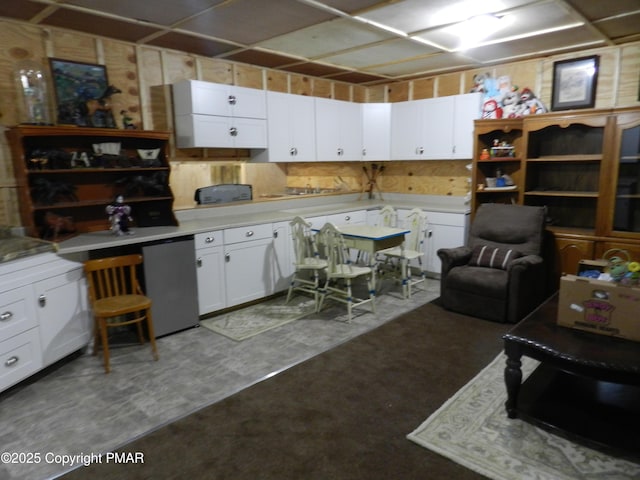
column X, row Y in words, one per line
column 343, row 414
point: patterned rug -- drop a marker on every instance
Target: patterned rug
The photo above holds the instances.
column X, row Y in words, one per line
column 255, row 319
column 472, row 429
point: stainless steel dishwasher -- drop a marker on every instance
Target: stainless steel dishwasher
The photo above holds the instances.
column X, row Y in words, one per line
column 170, row 282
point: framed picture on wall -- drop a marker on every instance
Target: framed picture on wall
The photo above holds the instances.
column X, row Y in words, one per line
column 75, row 84
column 574, row 83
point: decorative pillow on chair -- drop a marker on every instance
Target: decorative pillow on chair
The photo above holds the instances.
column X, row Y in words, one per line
column 493, row 257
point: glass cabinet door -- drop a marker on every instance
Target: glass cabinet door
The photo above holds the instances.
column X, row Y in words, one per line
column 626, row 216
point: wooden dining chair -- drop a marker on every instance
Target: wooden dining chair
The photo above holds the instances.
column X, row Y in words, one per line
column 341, row 272
column 117, row 300
column 308, row 264
column 397, row 260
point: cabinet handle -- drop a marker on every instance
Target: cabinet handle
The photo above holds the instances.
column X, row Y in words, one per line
column 249, row 233
column 232, row 99
column 275, row 234
column 199, row 262
column 293, row 151
column 209, row 240
column 430, row 233
column 340, row 151
column 420, row 150
column 11, row 361
column 364, row 152
column 233, row 131
column 42, row 300
column 347, row 218
column 4, row 316
column 227, row 258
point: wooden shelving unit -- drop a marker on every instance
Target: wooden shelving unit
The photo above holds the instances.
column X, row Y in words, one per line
column 79, row 189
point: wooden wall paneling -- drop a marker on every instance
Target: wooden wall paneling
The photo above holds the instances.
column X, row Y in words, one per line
column 423, row 88
column 448, row 84
column 214, row 70
column 74, row 46
column 322, row 88
column 122, row 70
column 438, row 177
column 279, row 82
column 398, row 92
column 177, row 66
column 342, row 91
column 151, row 75
column 629, row 76
column 523, row 75
column 266, row 178
column 248, row 76
column 359, row 94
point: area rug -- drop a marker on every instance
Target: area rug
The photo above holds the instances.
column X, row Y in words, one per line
column 255, row 319
column 472, row 429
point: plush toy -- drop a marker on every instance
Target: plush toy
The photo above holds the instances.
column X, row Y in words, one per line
column 491, row 110
column 533, row 105
column 478, row 82
column 510, row 103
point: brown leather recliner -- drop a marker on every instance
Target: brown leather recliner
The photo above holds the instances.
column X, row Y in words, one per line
column 500, row 275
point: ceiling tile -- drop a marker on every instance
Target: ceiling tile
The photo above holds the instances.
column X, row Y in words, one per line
column 595, row 10
column 97, row 25
column 389, row 52
column 258, row 57
column 313, row 69
column 354, row 6
column 435, row 63
column 565, row 40
column 520, row 22
column 162, row 12
column 251, row 21
column 417, row 15
column 21, row 9
column 317, row 40
column 621, row 27
column 191, row 44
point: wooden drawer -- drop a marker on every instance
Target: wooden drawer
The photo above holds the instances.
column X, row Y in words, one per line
column 246, row 234
column 20, row 357
column 209, row 239
column 17, row 314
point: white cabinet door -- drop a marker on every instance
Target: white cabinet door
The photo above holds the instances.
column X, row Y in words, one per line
column 357, row 217
column 444, row 230
column 291, row 126
column 280, row 259
column 207, row 98
column 467, row 108
column 437, row 128
column 406, row 130
column 246, row 252
column 338, row 130
column 211, row 131
column 210, row 272
column 63, row 315
column 376, row 131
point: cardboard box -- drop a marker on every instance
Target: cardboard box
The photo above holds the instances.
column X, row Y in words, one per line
column 598, row 265
column 606, row 308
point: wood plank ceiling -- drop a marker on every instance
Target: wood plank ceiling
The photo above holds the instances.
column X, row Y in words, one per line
column 356, row 41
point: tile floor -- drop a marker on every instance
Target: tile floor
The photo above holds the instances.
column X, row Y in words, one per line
column 76, row 409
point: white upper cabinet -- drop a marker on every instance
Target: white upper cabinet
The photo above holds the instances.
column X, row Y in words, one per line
column 376, row 131
column 219, row 116
column 206, row 98
column 291, row 129
column 435, row 128
column 338, row 130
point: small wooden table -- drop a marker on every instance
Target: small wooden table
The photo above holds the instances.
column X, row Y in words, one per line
column 587, row 386
column 372, row 239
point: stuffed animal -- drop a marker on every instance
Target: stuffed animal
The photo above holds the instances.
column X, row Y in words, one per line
column 533, row 105
column 510, row 104
column 478, row 82
column 491, row 110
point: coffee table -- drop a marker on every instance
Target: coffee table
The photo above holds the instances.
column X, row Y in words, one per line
column 587, row 386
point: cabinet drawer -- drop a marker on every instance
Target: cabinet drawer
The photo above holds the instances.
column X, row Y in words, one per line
column 20, row 356
column 209, row 239
column 348, row 218
column 245, row 234
column 16, row 313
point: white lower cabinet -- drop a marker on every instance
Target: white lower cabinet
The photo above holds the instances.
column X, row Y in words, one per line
column 246, row 251
column 43, row 314
column 280, row 257
column 444, row 230
column 210, row 271
column 357, row 217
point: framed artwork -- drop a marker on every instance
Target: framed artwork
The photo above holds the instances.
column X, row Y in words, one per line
column 74, row 85
column 574, row 83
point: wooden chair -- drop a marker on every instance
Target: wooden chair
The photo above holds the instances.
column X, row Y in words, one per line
column 117, row 300
column 308, row 264
column 397, row 259
column 341, row 272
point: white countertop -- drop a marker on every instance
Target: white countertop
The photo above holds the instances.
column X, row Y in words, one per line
column 207, row 218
